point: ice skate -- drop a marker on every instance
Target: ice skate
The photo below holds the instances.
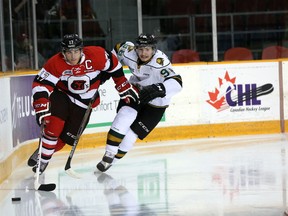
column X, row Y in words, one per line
column 32, row 161
column 106, row 162
column 42, row 167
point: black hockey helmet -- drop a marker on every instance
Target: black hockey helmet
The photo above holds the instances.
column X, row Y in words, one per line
column 146, row 40
column 71, row 41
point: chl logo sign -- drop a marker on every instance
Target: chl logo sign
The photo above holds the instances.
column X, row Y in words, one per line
column 228, row 94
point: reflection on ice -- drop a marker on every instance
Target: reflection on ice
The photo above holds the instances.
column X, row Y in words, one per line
column 235, row 176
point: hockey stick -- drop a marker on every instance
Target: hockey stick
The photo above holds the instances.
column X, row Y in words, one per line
column 259, row 91
column 68, row 169
column 37, row 184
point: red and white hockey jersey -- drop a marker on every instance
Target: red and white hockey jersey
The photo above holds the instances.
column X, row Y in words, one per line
column 80, row 82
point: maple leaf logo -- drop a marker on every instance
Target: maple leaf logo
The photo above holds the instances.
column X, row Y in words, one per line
column 218, row 96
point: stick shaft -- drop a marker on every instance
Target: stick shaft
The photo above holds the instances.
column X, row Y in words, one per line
column 81, row 129
column 39, row 153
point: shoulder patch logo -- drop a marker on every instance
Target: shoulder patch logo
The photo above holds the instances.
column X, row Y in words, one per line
column 117, row 47
column 130, row 48
column 160, row 61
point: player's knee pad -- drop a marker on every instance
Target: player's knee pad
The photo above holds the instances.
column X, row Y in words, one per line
column 54, row 126
column 124, row 118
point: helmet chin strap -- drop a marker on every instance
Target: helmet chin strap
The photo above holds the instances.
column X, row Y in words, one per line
column 81, row 57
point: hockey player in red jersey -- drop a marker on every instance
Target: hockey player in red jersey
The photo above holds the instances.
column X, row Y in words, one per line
column 154, row 76
column 64, row 87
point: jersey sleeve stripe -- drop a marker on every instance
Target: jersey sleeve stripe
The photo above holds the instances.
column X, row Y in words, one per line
column 37, row 89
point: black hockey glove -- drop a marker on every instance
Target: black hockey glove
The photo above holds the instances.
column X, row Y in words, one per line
column 150, row 92
column 128, row 92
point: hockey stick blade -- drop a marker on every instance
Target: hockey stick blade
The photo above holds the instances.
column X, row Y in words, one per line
column 44, row 187
column 73, row 174
column 69, row 171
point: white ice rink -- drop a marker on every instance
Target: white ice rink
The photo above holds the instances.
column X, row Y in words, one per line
column 233, row 176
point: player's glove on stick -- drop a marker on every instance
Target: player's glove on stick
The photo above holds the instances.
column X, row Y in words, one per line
column 150, row 92
column 128, row 92
column 42, row 109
